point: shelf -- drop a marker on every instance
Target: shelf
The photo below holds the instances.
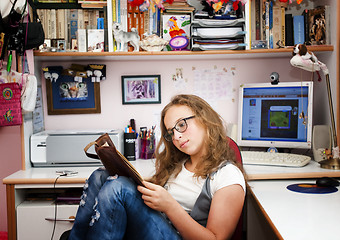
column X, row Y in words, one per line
column 175, row 55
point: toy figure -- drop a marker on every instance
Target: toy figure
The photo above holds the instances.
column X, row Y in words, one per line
column 123, row 38
column 307, row 60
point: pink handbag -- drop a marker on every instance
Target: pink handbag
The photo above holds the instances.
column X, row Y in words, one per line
column 10, row 104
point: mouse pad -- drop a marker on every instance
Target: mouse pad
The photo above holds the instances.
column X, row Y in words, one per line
column 311, row 188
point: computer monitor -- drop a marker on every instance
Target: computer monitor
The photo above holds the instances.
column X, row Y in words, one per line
column 272, row 115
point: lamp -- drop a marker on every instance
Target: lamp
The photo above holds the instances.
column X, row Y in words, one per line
column 308, row 61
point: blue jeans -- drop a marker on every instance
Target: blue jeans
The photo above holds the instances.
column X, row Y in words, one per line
column 112, row 208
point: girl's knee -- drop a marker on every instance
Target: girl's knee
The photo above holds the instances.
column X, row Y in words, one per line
column 118, row 186
column 98, row 176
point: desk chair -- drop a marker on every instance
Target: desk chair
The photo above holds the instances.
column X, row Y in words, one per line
column 238, row 234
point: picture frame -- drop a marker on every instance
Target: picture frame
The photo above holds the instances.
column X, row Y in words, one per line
column 141, row 89
column 59, row 102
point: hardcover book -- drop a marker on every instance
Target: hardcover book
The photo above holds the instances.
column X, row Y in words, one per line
column 299, row 29
column 289, row 39
column 112, row 159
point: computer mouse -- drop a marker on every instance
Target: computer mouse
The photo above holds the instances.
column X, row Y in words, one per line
column 327, row 182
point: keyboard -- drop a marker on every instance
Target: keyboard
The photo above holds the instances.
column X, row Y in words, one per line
column 274, row 159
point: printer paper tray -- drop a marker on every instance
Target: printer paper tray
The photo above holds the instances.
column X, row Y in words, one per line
column 217, row 22
column 205, row 47
column 218, row 32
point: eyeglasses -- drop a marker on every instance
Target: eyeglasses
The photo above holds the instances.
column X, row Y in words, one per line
column 181, row 126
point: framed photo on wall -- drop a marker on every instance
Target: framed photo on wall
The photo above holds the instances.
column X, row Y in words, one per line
column 66, row 96
column 141, row 89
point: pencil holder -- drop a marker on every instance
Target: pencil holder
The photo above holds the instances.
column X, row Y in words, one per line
column 129, row 146
column 147, row 148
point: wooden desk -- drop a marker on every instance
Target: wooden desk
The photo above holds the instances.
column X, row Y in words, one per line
column 33, row 178
column 293, row 215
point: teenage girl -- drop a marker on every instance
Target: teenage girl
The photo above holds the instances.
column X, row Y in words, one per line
column 197, row 191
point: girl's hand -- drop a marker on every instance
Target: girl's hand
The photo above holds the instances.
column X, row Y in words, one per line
column 156, row 197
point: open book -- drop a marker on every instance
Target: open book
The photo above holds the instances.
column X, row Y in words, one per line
column 112, row 159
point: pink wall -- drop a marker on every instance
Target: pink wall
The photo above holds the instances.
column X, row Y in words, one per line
column 10, row 160
column 116, row 115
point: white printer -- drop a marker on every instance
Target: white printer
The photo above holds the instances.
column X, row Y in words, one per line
column 66, row 147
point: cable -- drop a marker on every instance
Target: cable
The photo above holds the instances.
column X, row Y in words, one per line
column 55, row 205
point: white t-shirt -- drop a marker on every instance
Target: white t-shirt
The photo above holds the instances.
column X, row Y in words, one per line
column 185, row 188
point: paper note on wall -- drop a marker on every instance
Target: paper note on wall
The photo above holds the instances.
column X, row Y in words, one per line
column 213, row 84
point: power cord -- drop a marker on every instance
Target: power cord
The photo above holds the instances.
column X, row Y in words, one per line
column 56, row 203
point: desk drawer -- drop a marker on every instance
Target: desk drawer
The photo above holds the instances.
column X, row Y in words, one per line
column 35, row 220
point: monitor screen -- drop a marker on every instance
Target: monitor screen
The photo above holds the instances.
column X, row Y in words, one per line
column 275, row 115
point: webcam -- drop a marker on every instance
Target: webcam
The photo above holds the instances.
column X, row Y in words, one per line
column 274, row 77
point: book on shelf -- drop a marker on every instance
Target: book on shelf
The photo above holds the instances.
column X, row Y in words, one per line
column 277, row 25
column 267, row 23
column 317, row 26
column 109, row 21
column 247, row 24
column 258, row 19
column 123, row 16
column 178, row 7
column 60, row 19
column 305, row 15
column 133, row 20
column 106, row 39
column 73, row 23
column 283, row 26
column 92, row 4
column 52, row 24
column 81, row 19
column 271, row 43
column 289, row 31
column 81, row 40
column 263, row 20
column 95, row 40
column 253, row 21
column 299, row 29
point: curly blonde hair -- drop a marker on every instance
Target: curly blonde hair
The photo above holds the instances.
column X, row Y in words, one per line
column 169, row 159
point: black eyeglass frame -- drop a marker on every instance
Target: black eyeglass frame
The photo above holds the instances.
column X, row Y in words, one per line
column 170, row 133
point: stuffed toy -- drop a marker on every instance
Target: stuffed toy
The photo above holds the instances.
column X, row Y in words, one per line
column 306, row 60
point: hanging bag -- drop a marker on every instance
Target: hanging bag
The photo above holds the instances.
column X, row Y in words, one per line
column 10, row 104
column 24, row 35
column 33, row 31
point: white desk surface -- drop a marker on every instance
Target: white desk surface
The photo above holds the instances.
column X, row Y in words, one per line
column 47, row 175
column 297, row 215
column 311, row 170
